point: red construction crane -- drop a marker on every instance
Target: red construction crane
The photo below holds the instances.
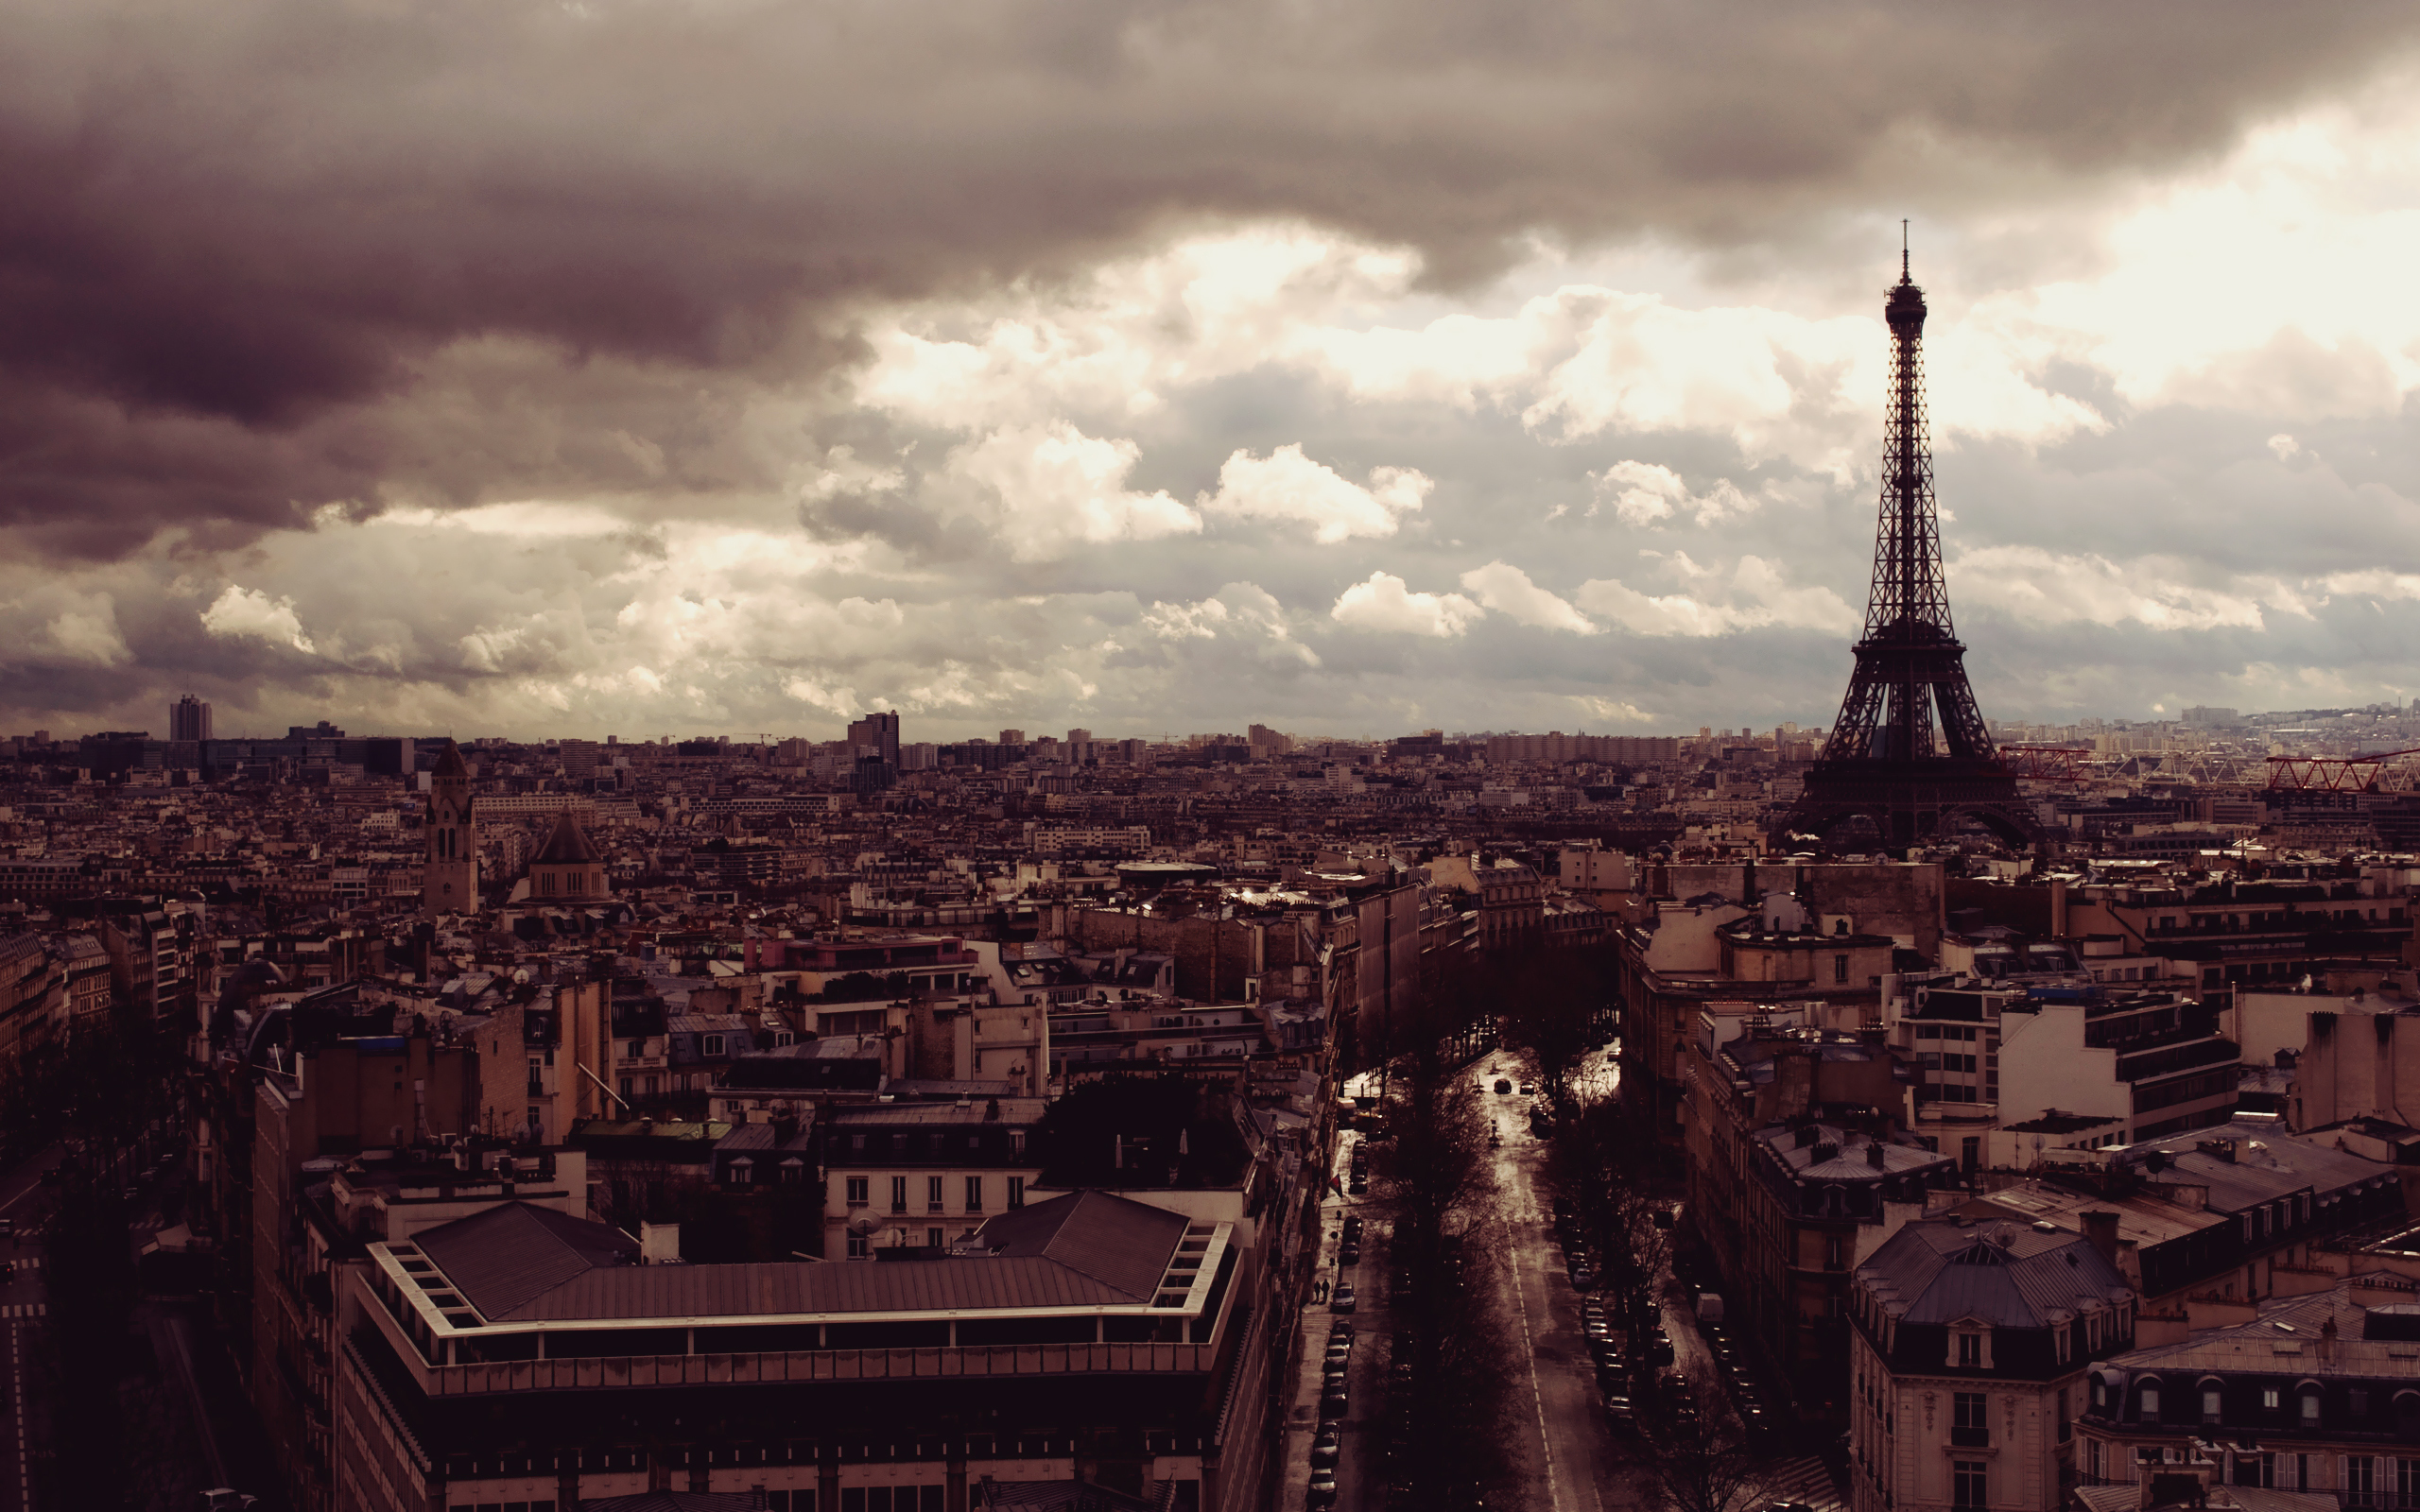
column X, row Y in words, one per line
column 2331, row 774
column 2047, row 763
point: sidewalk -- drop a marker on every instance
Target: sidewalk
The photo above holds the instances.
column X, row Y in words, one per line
column 1366, row 1378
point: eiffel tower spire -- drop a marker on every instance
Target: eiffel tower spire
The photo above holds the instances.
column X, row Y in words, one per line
column 1910, row 748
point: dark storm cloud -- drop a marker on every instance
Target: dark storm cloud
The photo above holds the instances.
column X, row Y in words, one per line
column 222, row 224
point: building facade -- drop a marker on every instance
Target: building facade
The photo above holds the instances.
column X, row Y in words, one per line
column 1968, row 1348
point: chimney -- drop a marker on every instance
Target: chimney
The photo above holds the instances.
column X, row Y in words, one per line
column 2101, row 1229
column 1874, row 1156
column 1824, row 1151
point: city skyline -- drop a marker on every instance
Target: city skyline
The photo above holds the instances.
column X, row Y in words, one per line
column 1594, row 449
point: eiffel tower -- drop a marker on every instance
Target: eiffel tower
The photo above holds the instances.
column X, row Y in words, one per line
column 1886, row 760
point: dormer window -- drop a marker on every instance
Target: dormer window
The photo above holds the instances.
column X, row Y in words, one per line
column 714, row 1044
column 1970, row 1347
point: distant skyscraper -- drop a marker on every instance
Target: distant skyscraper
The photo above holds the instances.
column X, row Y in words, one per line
column 878, row 733
column 1012, row 737
column 1079, row 737
column 189, row 719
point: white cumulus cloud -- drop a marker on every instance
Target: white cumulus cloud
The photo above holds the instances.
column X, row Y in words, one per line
column 245, row 612
column 1385, row 602
column 1051, row 487
column 1506, row 589
column 1756, row 597
column 1289, row 488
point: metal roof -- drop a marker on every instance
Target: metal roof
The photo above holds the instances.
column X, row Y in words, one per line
column 2004, row 1274
column 505, row 1257
column 515, row 1264
column 2290, row 1338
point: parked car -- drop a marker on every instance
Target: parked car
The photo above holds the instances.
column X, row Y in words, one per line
column 1340, row 1329
column 1529, row 1089
column 1659, row 1348
column 1333, row 1406
column 1342, row 1301
column 1353, row 1228
column 1503, row 1086
column 227, row 1498
column 1328, row 1447
column 1322, row 1488
column 1620, row 1412
column 1348, row 1253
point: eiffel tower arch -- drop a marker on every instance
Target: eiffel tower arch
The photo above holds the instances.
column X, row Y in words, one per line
column 1909, row 751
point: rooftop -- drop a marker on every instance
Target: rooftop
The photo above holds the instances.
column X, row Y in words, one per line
column 2007, row 1275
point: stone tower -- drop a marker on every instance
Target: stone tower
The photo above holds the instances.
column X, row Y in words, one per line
column 450, row 878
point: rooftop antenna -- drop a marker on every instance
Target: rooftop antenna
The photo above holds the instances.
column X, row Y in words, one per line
column 1902, row 252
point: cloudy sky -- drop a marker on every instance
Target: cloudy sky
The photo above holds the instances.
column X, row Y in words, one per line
column 634, row 367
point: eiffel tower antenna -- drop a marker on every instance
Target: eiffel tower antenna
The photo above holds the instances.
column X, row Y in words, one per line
column 1887, row 760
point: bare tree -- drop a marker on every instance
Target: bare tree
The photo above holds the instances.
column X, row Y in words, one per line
column 1616, row 1203
column 1702, row 1459
column 1449, row 1391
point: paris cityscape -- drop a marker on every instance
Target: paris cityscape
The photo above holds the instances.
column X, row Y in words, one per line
column 1789, row 887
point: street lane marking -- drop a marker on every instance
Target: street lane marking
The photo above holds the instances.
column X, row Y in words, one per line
column 1537, row 1393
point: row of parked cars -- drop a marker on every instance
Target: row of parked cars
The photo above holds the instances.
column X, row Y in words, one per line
column 1336, row 1398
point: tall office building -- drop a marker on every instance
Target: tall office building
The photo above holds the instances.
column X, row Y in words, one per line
column 189, row 719
column 878, row 733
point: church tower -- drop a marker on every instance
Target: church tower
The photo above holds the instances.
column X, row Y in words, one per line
column 450, row 879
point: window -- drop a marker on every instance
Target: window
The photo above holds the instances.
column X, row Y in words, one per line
column 856, row 1247
column 1832, row 1252
column 975, row 1194
column 2212, row 1410
column 933, row 1194
column 1969, row 1428
column 1840, row 968
column 2150, row 1404
column 536, row 1084
column 2310, row 1407
column 1970, row 1352
column 899, row 1194
column 714, row 1044
column 2361, row 1481
column 1016, row 1191
column 626, row 1088
column 654, row 1085
column 1966, row 1484
column 932, row 1239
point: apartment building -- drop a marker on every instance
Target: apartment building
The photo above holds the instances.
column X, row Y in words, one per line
column 2314, row 1393
column 1085, row 1339
column 1969, row 1344
column 904, row 1177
